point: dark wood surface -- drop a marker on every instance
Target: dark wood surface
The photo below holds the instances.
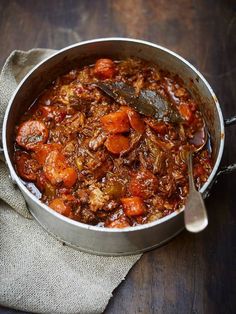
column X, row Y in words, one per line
column 192, row 273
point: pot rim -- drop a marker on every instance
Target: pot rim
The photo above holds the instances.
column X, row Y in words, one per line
column 19, row 182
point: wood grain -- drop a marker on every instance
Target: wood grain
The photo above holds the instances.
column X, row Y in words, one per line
column 192, row 273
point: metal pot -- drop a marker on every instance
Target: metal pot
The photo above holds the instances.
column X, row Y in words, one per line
column 94, row 239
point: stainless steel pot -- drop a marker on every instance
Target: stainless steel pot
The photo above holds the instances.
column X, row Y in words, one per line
column 90, row 238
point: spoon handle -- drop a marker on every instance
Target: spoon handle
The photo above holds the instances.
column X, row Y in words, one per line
column 195, row 215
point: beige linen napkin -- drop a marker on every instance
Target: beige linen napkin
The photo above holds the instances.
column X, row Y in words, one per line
column 37, row 273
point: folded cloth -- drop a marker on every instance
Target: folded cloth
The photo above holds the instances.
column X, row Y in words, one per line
column 38, row 273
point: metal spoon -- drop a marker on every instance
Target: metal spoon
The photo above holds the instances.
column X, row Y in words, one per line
column 195, row 214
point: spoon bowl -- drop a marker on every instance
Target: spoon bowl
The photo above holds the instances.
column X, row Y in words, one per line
column 195, row 214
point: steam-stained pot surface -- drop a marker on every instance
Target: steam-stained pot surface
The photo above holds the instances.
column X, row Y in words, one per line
column 91, row 156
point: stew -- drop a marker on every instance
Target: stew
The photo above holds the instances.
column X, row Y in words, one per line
column 99, row 161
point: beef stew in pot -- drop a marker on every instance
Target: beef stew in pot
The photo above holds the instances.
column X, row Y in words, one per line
column 98, row 160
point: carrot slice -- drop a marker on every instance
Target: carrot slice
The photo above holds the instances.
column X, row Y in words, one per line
column 116, row 143
column 41, row 181
column 42, row 151
column 134, row 119
column 56, row 170
column 136, row 122
column 69, row 176
column 62, row 205
column 143, row 184
column 133, row 206
column 31, row 133
column 104, row 68
column 26, row 166
column 116, row 122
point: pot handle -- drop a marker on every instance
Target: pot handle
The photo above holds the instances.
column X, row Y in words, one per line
column 230, row 168
column 1, row 146
column 227, row 169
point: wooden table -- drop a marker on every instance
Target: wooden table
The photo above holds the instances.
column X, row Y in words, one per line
column 192, row 273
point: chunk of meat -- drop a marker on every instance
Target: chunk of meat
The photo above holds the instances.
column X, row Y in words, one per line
column 102, row 170
column 143, row 184
column 133, row 206
column 26, row 166
column 83, row 196
column 159, row 163
column 83, row 96
column 118, row 223
column 116, row 122
column 53, row 113
column 88, row 217
column 70, row 148
column 134, row 139
column 75, row 123
column 97, row 141
column 159, row 127
column 31, row 133
column 64, row 94
column 111, row 205
column 117, row 143
column 155, row 216
column 164, row 145
column 57, row 171
column 167, row 185
column 97, row 199
column 104, row 69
